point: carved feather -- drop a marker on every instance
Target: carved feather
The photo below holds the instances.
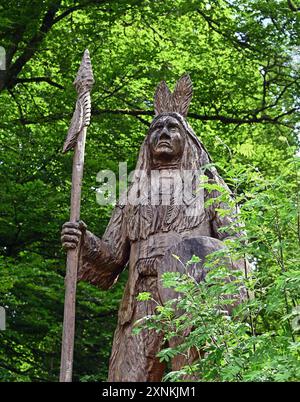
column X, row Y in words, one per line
column 182, row 95
column 75, row 127
column 162, row 99
column 82, row 114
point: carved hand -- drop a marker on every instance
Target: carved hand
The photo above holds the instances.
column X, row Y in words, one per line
column 72, row 234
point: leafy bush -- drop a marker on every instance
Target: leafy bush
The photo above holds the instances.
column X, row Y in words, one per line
column 259, row 340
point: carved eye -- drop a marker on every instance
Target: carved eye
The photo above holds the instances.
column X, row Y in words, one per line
column 173, row 128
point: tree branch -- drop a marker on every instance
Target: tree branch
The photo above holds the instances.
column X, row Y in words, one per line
column 292, row 6
column 18, row 105
column 39, row 79
column 76, row 8
column 287, row 113
column 139, row 112
column 31, row 47
column 67, row 12
column 215, row 26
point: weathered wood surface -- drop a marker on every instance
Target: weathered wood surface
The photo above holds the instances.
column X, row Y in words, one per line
column 75, row 139
column 144, row 234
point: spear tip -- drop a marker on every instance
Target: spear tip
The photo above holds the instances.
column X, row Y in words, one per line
column 82, row 114
column 85, row 78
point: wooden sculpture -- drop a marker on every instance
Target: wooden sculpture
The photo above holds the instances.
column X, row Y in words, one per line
column 144, row 230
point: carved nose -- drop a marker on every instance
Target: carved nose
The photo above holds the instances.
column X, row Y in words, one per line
column 164, row 134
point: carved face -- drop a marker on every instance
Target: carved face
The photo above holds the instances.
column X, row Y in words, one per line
column 166, row 141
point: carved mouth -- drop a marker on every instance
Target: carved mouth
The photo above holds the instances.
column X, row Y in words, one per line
column 164, row 144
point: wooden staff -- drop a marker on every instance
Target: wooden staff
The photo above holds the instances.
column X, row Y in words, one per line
column 75, row 139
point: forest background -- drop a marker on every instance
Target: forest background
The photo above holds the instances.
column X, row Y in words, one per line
column 243, row 58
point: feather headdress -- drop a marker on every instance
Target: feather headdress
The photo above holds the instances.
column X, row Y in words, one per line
column 165, row 101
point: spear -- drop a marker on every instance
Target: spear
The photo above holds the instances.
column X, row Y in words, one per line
column 75, row 139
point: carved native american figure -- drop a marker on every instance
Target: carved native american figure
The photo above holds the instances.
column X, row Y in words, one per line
column 145, row 230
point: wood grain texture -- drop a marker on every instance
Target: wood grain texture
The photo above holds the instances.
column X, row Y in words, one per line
column 82, row 115
column 182, row 95
column 162, row 98
column 142, row 236
column 75, row 139
column 165, row 101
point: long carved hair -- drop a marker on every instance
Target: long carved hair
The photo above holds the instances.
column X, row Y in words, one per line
column 144, row 219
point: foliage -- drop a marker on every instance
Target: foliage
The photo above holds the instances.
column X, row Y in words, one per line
column 259, row 339
column 242, row 57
